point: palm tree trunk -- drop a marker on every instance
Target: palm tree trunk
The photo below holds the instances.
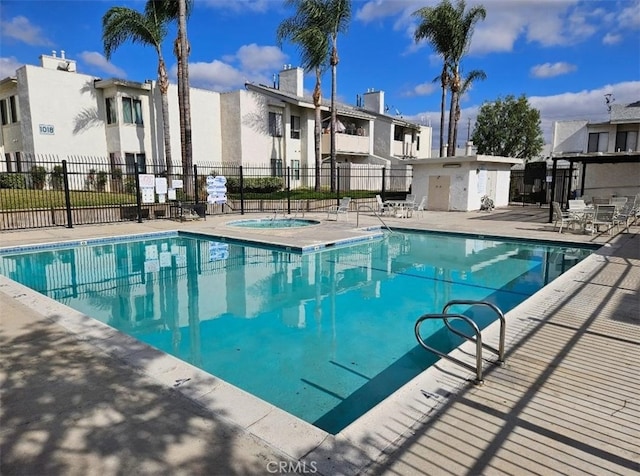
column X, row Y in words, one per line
column 455, row 87
column 443, row 101
column 163, row 83
column 317, row 102
column 334, row 112
column 184, row 99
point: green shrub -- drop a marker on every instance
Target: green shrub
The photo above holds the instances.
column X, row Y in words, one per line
column 56, row 179
column 101, row 181
column 255, row 185
column 130, row 185
column 12, row 180
column 38, row 177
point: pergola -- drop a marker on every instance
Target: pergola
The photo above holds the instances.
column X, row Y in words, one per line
column 586, row 159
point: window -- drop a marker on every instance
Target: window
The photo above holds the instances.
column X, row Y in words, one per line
column 112, row 117
column 276, row 167
column 598, row 142
column 7, row 159
column 132, row 111
column 4, row 112
column 398, row 133
column 130, row 163
column 626, row 140
column 295, row 127
column 295, row 166
column 18, row 162
column 275, row 124
column 418, row 142
column 13, row 109
column 9, row 110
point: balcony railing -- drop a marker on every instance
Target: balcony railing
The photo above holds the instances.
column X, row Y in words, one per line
column 346, row 143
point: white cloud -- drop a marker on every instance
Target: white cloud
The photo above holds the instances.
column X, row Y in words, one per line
column 98, row 61
column 20, row 29
column 549, row 70
column 423, row 89
column 217, row 76
column 240, row 5
column 611, row 39
column 250, row 63
column 260, row 58
column 8, row 66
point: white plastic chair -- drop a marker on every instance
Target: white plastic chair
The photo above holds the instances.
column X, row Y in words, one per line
column 418, row 208
column 563, row 218
column 382, row 207
column 341, row 209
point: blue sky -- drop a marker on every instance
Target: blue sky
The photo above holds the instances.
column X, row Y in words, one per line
column 563, row 55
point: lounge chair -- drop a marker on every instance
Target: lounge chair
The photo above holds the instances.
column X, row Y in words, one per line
column 382, row 207
column 341, row 209
column 563, row 218
column 604, row 215
column 418, row 208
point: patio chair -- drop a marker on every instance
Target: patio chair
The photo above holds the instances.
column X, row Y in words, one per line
column 341, row 209
column 382, row 207
column 604, row 215
column 418, row 208
column 563, row 218
column 411, row 200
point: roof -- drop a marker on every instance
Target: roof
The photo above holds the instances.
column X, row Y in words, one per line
column 342, row 108
column 465, row 159
column 628, row 113
column 599, row 157
column 106, row 83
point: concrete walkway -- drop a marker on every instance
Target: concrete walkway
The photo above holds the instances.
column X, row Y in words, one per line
column 566, row 402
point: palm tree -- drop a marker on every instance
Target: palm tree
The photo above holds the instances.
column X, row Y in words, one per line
column 121, row 24
column 336, row 15
column 303, row 29
column 461, row 32
column 465, row 86
column 435, row 27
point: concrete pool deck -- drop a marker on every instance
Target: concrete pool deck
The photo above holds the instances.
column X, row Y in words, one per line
column 566, row 402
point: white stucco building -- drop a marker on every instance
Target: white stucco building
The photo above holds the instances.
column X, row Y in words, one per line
column 52, row 110
column 607, row 154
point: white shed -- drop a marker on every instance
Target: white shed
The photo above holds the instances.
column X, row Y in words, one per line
column 458, row 183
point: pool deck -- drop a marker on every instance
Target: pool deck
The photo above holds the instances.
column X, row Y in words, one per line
column 79, row 399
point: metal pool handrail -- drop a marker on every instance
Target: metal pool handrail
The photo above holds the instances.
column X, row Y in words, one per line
column 477, row 337
column 369, row 207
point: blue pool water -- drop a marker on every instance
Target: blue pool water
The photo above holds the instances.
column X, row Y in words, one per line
column 273, row 223
column 324, row 335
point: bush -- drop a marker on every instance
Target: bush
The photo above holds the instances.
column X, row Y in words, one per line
column 255, row 185
column 56, row 179
column 101, row 181
column 38, row 177
column 130, row 185
column 12, row 180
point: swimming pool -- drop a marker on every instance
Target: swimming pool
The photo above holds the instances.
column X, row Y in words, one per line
column 273, row 223
column 323, row 335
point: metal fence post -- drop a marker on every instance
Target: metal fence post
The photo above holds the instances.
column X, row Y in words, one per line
column 384, row 182
column 195, row 182
column 67, row 194
column 337, row 185
column 138, row 193
column 288, row 190
column 241, row 192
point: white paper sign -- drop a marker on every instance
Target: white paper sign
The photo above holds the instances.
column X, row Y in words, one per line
column 176, row 183
column 216, row 189
column 148, row 196
column 171, row 194
column 147, row 180
column 161, row 185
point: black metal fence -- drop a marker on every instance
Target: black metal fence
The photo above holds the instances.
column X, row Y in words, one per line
column 49, row 191
column 525, row 189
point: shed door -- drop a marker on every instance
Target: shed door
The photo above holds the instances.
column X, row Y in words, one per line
column 438, row 197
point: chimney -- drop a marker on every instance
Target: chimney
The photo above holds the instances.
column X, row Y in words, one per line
column 374, row 101
column 468, row 148
column 290, row 80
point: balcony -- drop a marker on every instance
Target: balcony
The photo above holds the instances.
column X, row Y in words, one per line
column 403, row 149
column 346, row 144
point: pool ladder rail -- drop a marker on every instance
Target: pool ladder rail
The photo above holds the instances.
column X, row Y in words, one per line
column 477, row 337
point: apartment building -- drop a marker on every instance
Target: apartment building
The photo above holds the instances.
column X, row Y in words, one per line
column 606, row 154
column 52, row 110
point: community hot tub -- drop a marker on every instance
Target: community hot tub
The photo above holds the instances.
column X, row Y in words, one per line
column 273, row 223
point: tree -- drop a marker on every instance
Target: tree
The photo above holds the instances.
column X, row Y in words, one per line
column 305, row 30
column 449, row 30
column 462, row 31
column 508, row 128
column 434, row 27
column 121, row 24
column 465, row 86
